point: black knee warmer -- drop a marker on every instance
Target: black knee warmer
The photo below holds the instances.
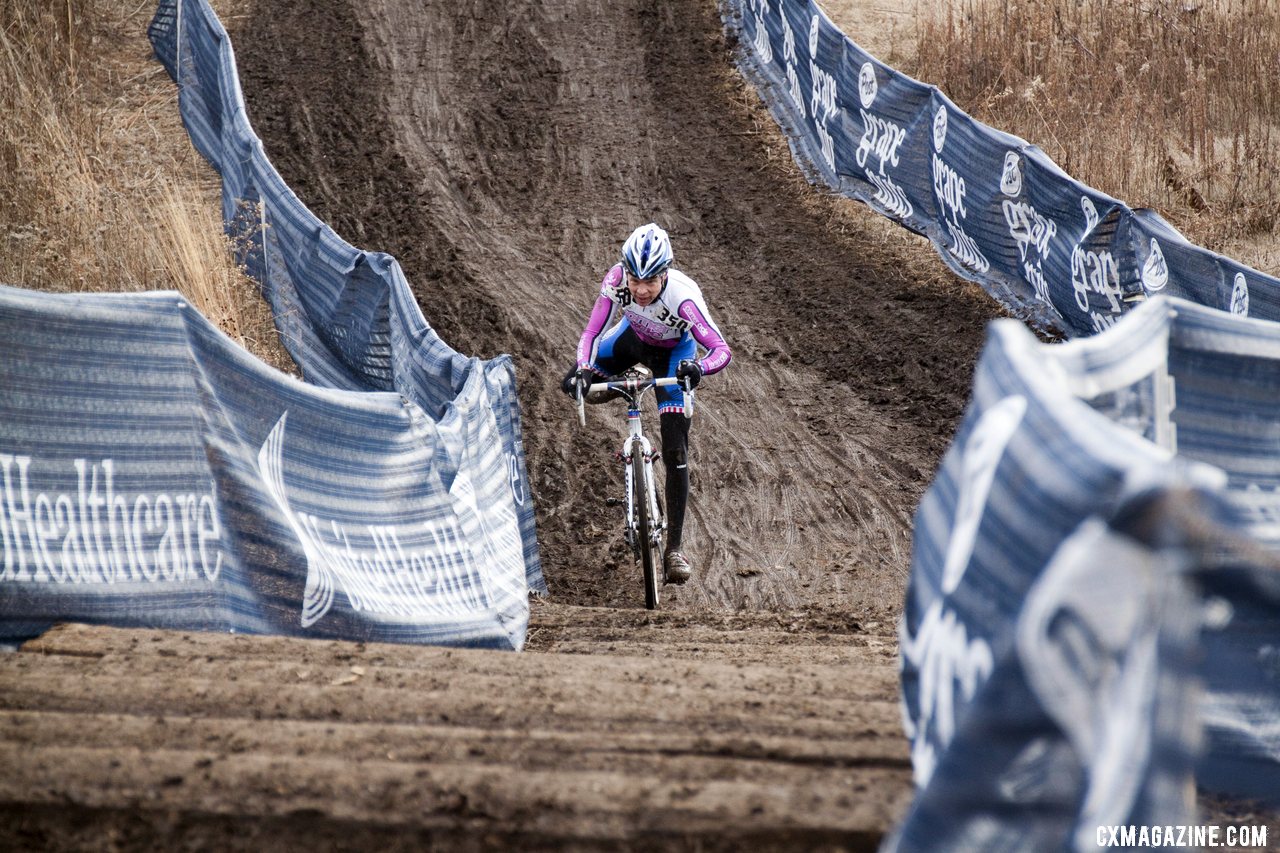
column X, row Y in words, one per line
column 675, row 458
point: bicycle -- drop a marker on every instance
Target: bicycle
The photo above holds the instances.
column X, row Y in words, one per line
column 644, row 524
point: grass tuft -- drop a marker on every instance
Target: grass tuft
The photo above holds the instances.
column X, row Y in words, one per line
column 100, row 188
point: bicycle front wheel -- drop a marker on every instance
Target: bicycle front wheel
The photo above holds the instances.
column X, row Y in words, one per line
column 647, row 545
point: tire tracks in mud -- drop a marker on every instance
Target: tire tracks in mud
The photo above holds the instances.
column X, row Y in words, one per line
column 502, row 151
column 515, row 145
column 166, row 740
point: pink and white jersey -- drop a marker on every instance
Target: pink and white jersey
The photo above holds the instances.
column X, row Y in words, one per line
column 677, row 313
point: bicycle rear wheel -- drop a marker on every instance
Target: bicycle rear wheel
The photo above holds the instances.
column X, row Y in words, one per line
column 648, row 549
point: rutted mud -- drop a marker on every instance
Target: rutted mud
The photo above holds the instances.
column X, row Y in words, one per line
column 521, row 144
column 156, row 740
column 502, row 151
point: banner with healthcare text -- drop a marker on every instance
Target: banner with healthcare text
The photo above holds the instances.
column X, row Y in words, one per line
column 347, row 315
column 155, row 474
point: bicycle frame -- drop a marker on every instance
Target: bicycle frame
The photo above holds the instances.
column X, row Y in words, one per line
column 637, row 443
column 644, row 518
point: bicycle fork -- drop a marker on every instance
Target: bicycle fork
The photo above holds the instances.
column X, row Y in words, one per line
column 636, row 442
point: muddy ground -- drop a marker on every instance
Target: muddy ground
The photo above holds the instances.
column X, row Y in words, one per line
column 502, row 151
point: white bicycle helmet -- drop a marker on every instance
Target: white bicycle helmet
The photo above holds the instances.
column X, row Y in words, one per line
column 647, row 251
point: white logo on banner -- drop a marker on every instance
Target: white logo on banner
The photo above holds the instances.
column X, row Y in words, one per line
column 517, row 482
column 1095, row 272
column 1240, row 295
column 1155, row 271
column 883, row 139
column 1091, row 218
column 97, row 535
column 949, row 190
column 982, row 453
column 868, row 87
column 790, row 58
column 1011, row 177
column 941, row 651
column 375, row 571
column 764, row 48
column 1087, row 639
column 1033, row 234
column 939, row 129
column 822, row 103
column 944, row 656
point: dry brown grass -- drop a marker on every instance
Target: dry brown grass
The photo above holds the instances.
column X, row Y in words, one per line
column 100, row 188
column 1166, row 104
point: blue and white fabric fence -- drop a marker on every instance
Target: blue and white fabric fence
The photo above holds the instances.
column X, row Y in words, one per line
column 1099, row 546
column 156, row 475
column 996, row 208
column 347, row 316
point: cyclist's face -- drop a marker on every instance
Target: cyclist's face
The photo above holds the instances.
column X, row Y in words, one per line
column 645, row 290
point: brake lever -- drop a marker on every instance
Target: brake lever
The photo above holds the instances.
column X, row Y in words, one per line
column 582, row 405
column 688, row 398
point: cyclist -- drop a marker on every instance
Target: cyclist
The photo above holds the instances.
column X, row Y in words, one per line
column 663, row 319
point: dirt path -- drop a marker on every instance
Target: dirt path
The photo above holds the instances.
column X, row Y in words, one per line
column 626, row 731
column 522, row 143
column 502, row 151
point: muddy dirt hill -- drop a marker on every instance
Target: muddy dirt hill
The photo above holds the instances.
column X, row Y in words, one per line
column 502, row 151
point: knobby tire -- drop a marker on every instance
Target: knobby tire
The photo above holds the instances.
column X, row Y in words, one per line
column 649, row 559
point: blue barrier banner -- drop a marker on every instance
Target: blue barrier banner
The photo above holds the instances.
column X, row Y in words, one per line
column 1084, row 716
column 154, row 474
column 1056, row 549
column 1083, row 444
column 347, row 315
column 997, row 209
